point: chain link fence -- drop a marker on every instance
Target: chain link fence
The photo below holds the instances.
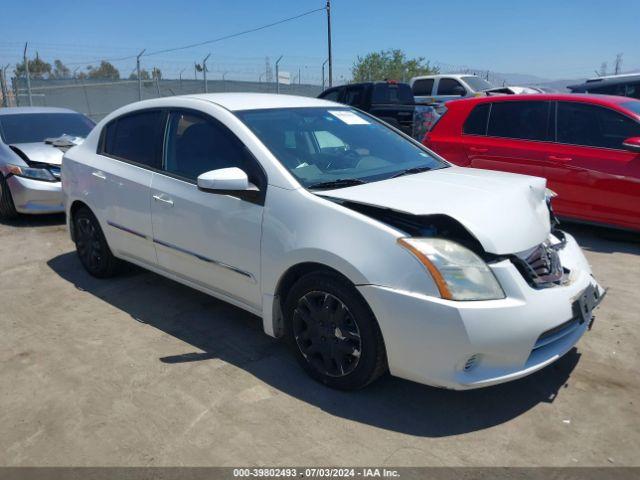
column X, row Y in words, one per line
column 97, row 98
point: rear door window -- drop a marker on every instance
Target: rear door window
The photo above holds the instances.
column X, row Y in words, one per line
column 593, row 126
column 476, row 123
column 423, row 87
column 136, row 137
column 450, row 86
column 520, row 120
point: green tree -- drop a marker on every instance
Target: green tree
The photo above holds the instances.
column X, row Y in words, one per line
column 60, row 70
column 156, row 73
column 390, row 65
column 106, row 70
column 38, row 68
column 144, row 75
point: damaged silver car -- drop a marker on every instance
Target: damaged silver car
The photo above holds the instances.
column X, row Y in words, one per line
column 32, row 142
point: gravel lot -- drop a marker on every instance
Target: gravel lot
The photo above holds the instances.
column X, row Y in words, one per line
column 140, row 370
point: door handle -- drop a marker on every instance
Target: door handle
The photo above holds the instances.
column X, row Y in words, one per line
column 478, row 150
column 163, row 199
column 99, row 175
column 560, row 159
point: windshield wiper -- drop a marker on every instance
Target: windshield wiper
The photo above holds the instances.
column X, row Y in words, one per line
column 410, row 171
column 338, row 183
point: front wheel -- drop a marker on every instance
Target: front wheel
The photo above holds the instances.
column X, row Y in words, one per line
column 91, row 245
column 333, row 332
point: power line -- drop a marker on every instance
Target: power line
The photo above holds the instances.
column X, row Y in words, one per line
column 206, row 42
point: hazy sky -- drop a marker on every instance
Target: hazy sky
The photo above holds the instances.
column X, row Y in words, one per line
column 551, row 39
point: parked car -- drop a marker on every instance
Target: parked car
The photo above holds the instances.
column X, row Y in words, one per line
column 30, row 157
column 445, row 87
column 587, row 146
column 353, row 242
column 627, row 85
column 390, row 101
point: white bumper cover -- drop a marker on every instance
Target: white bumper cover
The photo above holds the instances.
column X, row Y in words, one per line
column 430, row 340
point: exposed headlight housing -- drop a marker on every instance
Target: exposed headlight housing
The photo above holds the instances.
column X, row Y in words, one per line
column 33, row 173
column 459, row 273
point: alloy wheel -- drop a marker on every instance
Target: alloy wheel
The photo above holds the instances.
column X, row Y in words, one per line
column 88, row 244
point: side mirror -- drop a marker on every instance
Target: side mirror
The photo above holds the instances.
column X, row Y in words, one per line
column 632, row 144
column 224, row 179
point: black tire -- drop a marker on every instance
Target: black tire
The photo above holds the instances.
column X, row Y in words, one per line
column 91, row 246
column 333, row 333
column 7, row 208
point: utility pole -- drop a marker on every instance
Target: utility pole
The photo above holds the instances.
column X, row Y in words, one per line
column 181, row 76
column 26, row 70
column 323, row 64
column 278, row 74
column 204, row 72
column 138, row 73
column 3, row 84
column 330, row 59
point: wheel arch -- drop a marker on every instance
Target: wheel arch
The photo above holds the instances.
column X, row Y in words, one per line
column 73, row 209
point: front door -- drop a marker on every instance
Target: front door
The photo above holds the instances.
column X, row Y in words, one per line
column 590, row 170
column 210, row 239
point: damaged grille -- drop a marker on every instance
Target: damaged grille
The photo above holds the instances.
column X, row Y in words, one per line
column 541, row 267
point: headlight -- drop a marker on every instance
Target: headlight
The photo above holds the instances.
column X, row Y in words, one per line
column 34, row 173
column 458, row 272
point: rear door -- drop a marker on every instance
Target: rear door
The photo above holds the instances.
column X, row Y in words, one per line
column 133, row 145
column 516, row 139
column 595, row 178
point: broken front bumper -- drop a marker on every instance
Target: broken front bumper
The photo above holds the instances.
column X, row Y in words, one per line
column 464, row 345
column 36, row 196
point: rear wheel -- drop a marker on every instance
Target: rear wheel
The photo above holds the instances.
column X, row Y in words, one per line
column 7, row 208
column 91, row 245
column 333, row 332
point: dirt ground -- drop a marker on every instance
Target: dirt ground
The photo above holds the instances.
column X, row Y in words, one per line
column 140, row 370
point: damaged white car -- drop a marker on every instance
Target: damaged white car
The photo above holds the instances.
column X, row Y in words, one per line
column 32, row 141
column 362, row 248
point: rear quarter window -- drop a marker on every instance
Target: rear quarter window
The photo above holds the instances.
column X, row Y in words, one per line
column 476, row 123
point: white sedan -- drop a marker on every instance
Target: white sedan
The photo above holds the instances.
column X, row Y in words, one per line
column 363, row 249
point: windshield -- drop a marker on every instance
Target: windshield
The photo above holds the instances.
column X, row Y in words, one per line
column 319, row 145
column 633, row 105
column 35, row 127
column 477, row 84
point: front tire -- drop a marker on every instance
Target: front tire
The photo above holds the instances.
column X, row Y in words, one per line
column 7, row 207
column 333, row 333
column 91, row 246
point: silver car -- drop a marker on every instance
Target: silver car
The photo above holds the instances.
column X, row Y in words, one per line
column 32, row 141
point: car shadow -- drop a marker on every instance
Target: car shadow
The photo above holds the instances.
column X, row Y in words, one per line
column 214, row 329
column 34, row 220
column 602, row 239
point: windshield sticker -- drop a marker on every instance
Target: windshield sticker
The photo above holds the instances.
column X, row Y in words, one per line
column 349, row 118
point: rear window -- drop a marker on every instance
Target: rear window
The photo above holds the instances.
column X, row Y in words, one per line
column 521, row 120
column 476, row 123
column 393, row 93
column 136, row 138
column 423, row 87
column 36, row 127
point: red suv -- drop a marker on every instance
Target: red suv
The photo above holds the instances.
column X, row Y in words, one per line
column 586, row 146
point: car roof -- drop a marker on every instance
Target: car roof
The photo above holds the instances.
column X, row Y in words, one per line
column 29, row 110
column 444, row 75
column 260, row 101
column 584, row 97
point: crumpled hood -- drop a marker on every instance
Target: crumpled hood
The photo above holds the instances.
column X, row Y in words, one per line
column 506, row 212
column 46, row 151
